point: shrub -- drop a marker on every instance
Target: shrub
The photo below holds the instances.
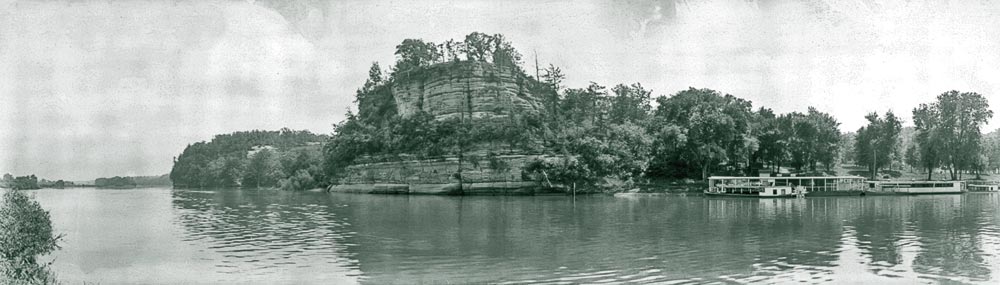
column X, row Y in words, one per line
column 25, row 234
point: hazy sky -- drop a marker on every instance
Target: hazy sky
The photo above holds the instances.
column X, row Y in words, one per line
column 103, row 88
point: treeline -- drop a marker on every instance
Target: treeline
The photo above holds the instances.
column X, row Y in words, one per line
column 949, row 136
column 31, row 182
column 115, row 182
column 601, row 132
column 260, row 159
column 26, row 182
column 593, row 134
column 133, row 181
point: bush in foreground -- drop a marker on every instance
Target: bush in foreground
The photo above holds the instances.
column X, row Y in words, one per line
column 25, row 234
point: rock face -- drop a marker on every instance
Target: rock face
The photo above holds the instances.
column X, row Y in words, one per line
column 448, row 90
column 438, row 176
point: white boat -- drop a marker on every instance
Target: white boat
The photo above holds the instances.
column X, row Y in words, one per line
column 915, row 187
column 983, row 188
column 779, row 187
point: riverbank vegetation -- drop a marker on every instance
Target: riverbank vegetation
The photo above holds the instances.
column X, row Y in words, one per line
column 258, row 159
column 601, row 133
column 26, row 182
column 132, row 181
column 25, row 234
column 623, row 133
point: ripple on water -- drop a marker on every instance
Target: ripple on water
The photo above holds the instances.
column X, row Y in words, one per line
column 275, row 237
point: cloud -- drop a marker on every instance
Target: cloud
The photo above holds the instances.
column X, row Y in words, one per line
column 118, row 88
column 110, row 88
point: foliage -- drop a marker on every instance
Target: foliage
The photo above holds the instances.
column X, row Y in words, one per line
column 300, row 180
column 25, row 234
column 563, row 171
column 115, row 182
column 614, row 134
column 876, row 143
column 927, row 149
column 991, row 150
column 262, row 170
column 235, row 160
column 424, row 137
column 949, row 131
column 25, row 182
column 716, row 129
column 912, row 157
column 631, row 103
column 415, row 54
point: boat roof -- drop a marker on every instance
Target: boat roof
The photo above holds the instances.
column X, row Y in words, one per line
column 789, row 177
column 914, row 181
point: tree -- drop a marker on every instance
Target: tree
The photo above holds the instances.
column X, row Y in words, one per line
column 262, row 170
column 717, row 127
column 415, row 53
column 927, row 138
column 25, row 234
column 991, row 148
column 772, row 138
column 550, row 86
column 826, row 139
column 25, row 182
column 584, row 105
column 630, row 103
column 877, row 142
column 961, row 116
column 477, row 47
column 948, row 131
column 912, row 157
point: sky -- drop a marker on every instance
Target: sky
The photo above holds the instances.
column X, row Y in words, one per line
column 102, row 88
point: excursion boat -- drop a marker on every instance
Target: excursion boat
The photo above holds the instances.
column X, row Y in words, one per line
column 915, row 187
column 783, row 187
column 983, row 188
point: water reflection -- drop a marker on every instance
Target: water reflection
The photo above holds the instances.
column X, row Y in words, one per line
column 261, row 235
column 280, row 237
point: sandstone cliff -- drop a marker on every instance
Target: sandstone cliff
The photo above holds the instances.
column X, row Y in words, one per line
column 438, row 176
column 447, row 90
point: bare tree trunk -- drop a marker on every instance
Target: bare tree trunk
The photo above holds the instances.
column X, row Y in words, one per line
column 704, row 172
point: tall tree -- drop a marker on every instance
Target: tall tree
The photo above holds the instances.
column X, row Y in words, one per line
column 263, row 170
column 415, row 53
column 584, row 105
column 926, row 120
column 826, row 138
column 991, row 148
column 951, row 130
column 717, row 127
column 772, row 142
column 877, row 142
column 630, row 103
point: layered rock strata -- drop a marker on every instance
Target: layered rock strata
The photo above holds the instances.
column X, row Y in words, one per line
column 448, row 90
column 440, row 176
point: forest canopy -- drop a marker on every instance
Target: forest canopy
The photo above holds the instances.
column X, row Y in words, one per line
column 607, row 132
column 283, row 158
column 624, row 133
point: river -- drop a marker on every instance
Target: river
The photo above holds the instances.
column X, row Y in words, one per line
column 250, row 236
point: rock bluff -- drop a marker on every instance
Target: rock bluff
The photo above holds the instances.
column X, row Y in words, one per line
column 446, row 90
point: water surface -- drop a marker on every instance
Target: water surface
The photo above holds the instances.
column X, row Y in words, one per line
column 250, row 236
